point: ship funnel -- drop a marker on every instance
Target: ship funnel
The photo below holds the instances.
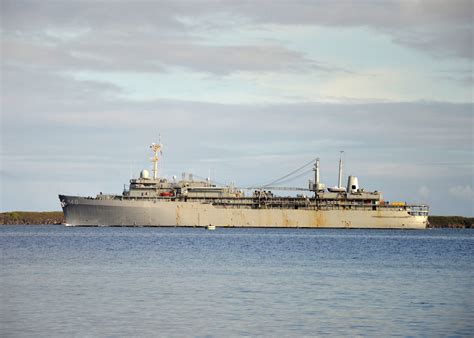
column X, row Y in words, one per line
column 352, row 184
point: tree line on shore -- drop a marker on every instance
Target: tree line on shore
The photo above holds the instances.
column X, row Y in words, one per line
column 57, row 217
column 31, row 217
column 451, row 222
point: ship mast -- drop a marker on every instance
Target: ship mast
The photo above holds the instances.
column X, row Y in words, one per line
column 339, row 183
column 156, row 148
column 318, row 186
column 316, row 172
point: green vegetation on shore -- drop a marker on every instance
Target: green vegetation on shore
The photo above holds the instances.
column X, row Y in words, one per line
column 31, row 217
column 57, row 217
column 451, row 222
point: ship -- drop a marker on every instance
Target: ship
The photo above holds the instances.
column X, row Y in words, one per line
column 151, row 200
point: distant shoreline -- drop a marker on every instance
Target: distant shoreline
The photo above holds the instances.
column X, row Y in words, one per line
column 31, row 217
column 57, row 217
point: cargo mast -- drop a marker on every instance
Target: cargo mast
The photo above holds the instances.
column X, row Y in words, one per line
column 317, row 186
column 316, row 172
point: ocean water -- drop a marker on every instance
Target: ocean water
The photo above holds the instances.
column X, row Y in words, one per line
column 87, row 282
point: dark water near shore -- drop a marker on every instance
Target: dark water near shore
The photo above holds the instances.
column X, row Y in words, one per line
column 58, row 281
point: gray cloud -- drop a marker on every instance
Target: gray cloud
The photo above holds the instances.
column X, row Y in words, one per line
column 117, row 13
column 143, row 37
column 141, row 54
column 457, row 41
column 213, row 59
column 42, row 99
column 464, row 77
column 443, row 28
column 151, row 36
column 104, row 15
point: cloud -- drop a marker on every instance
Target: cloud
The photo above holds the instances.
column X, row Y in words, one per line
column 139, row 55
column 149, row 38
column 57, row 101
column 439, row 41
column 155, row 35
column 443, row 28
column 465, row 77
column 465, row 192
column 31, row 15
column 39, row 104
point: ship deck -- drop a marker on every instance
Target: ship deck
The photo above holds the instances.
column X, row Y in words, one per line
column 277, row 202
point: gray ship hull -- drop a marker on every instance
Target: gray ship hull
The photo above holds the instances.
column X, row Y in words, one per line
column 81, row 211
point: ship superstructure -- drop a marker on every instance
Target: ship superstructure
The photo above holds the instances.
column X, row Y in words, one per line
column 157, row 201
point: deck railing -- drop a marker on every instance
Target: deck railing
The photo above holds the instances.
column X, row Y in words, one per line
column 283, row 203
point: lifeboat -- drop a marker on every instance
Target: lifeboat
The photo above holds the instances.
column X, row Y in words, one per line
column 337, row 189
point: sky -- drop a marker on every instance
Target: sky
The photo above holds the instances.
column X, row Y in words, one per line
column 241, row 91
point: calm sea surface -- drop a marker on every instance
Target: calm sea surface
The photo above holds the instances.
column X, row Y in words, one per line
column 63, row 281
